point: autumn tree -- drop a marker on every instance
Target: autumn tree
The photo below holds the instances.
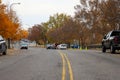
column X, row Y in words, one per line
column 9, row 24
column 110, row 11
column 38, row 34
column 5, row 22
column 98, row 16
column 86, row 18
column 57, row 20
column 15, row 22
column 54, row 26
column 21, row 34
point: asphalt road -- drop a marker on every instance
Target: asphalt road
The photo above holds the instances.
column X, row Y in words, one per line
column 42, row 64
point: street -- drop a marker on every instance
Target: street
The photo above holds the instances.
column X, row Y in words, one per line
column 43, row 64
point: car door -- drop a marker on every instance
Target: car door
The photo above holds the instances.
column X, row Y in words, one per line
column 108, row 40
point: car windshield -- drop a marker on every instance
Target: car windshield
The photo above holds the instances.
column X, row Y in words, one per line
column 116, row 33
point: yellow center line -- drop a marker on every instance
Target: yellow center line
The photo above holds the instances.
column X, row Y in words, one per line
column 63, row 68
column 69, row 67
column 64, row 57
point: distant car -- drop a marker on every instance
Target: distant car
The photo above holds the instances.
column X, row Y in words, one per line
column 3, row 46
column 74, row 46
column 49, row 46
column 62, row 46
column 24, row 46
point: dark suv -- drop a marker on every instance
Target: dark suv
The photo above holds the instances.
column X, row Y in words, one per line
column 3, row 46
column 111, row 41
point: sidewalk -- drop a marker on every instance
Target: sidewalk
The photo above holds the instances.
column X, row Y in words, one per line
column 11, row 51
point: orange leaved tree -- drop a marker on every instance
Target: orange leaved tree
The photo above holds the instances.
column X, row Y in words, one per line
column 10, row 26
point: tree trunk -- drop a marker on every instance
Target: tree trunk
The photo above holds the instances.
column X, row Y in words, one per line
column 8, row 43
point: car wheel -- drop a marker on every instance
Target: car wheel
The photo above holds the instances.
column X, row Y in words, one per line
column 4, row 53
column 112, row 49
column 103, row 49
column 4, row 48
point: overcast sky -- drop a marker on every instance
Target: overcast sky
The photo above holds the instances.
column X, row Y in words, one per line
column 33, row 12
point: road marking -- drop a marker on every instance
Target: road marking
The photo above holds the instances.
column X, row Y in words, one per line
column 69, row 67
column 63, row 68
column 64, row 57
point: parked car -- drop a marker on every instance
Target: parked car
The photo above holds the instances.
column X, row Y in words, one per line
column 75, row 46
column 111, row 41
column 49, row 46
column 62, row 46
column 24, row 45
column 3, row 46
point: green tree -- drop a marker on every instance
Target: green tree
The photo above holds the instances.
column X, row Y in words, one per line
column 53, row 26
column 57, row 20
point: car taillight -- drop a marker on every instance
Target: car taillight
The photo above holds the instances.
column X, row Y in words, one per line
column 116, row 39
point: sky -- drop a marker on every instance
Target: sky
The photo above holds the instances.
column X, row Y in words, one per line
column 31, row 12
